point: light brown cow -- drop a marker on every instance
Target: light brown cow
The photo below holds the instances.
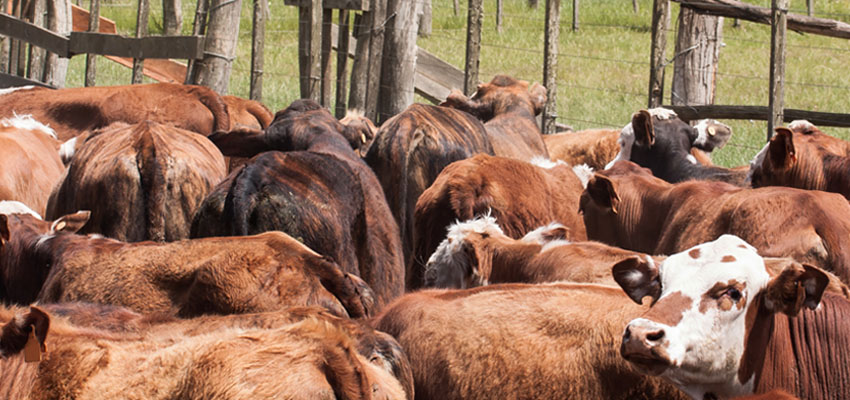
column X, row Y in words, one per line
column 507, row 107
column 521, row 196
column 312, row 358
column 802, row 156
column 45, row 261
column 31, row 165
column 70, row 112
column 721, row 326
column 245, row 113
column 626, row 206
column 141, row 182
column 544, row 341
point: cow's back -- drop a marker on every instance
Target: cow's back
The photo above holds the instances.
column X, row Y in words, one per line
column 31, row 167
column 594, row 147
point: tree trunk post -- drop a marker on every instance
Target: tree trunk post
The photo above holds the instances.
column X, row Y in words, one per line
column 457, row 7
column 220, row 45
column 474, row 20
column 326, row 88
column 697, row 54
column 777, row 64
column 810, row 7
column 141, row 31
column 380, row 20
column 399, row 61
column 550, row 64
column 91, row 59
column 35, row 70
column 172, row 17
column 199, row 26
column 310, row 49
column 360, row 66
column 499, row 16
column 575, row 15
column 342, row 63
column 4, row 42
column 258, row 40
column 15, row 48
column 660, row 22
column 59, row 21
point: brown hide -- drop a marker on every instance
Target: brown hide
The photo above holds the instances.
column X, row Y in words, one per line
column 657, row 217
column 141, row 182
column 311, row 358
column 806, row 159
column 556, row 341
column 187, row 278
column 245, row 113
column 75, row 110
column 507, row 107
column 594, row 147
column 31, row 167
column 520, row 195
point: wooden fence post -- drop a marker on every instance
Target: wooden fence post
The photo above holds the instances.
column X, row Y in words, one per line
column 15, row 48
column 327, row 21
column 380, row 19
column 810, row 7
column 59, row 21
column 219, row 45
column 35, row 70
column 499, row 16
column 342, row 63
column 660, row 22
column 575, row 15
column 199, row 26
column 309, row 49
column 550, row 64
column 360, row 67
column 474, row 20
column 779, row 9
column 399, row 61
column 141, row 31
column 258, row 39
column 4, row 42
column 457, row 7
column 696, row 58
column 94, row 26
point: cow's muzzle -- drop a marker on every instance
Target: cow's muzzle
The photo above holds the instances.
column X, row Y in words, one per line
column 643, row 346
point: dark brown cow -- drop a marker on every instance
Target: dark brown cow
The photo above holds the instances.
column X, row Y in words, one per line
column 31, row 166
column 71, row 112
column 657, row 139
column 412, row 148
column 316, row 190
column 518, row 341
column 45, row 261
column 141, row 182
column 507, row 107
column 355, row 121
column 520, row 195
column 311, row 358
column 626, row 206
column 805, row 158
column 721, row 326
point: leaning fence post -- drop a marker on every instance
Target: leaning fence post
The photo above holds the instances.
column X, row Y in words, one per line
column 660, row 22
column 550, row 64
column 779, row 12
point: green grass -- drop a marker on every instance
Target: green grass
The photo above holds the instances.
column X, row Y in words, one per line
column 603, row 67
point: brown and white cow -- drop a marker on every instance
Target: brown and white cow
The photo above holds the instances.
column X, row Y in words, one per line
column 141, row 182
column 309, row 183
column 519, row 341
column 507, row 107
column 521, row 196
column 626, row 206
column 46, row 261
column 802, row 156
column 311, row 358
column 412, row 148
column 657, row 139
column 72, row 111
column 477, row 253
column 721, row 326
column 31, row 166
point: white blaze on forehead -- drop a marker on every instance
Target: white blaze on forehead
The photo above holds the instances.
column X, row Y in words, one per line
column 757, row 161
column 626, row 140
column 28, row 123
column 15, row 89
column 8, row 207
column 546, row 163
column 583, row 172
column 802, row 125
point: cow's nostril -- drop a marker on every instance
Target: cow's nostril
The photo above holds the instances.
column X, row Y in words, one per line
column 627, row 334
column 655, row 336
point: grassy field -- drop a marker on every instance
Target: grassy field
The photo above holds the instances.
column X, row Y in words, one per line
column 603, row 67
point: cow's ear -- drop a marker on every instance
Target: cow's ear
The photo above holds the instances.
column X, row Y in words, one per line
column 70, row 223
column 603, row 192
column 781, row 148
column 480, row 260
column 796, row 286
column 638, row 276
column 16, row 333
column 4, row 228
column 242, row 142
column 538, row 97
column 457, row 100
column 643, row 128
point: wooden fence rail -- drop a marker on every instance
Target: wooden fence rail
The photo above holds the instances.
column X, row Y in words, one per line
column 691, row 113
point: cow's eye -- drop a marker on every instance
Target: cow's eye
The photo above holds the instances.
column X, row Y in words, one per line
column 734, row 294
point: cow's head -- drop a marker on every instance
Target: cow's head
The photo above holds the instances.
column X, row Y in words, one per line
column 461, row 260
column 359, row 131
column 16, row 333
column 704, row 301
column 501, row 95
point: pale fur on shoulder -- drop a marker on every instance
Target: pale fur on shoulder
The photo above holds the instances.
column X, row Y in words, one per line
column 584, row 173
column 28, row 123
column 8, row 207
column 15, row 89
column 546, row 163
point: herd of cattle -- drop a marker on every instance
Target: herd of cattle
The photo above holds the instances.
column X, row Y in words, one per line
column 162, row 241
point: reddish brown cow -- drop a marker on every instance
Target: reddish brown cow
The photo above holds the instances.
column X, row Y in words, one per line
column 520, row 195
column 246, row 113
column 805, row 158
column 721, row 326
column 31, row 165
column 545, row 341
column 356, row 122
column 152, row 176
column 507, row 107
column 73, row 111
column 628, row 207
column 412, row 148
column 312, row 358
column 45, row 261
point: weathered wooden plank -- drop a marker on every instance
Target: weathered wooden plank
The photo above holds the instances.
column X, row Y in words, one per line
column 184, row 47
column 796, row 22
column 690, row 113
column 7, row 81
column 474, row 20
column 360, row 5
column 777, row 64
column 660, row 23
column 38, row 36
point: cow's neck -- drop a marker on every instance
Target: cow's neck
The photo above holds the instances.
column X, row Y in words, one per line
column 510, row 260
column 644, row 207
column 837, row 175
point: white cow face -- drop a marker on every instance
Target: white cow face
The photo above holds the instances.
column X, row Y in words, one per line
column 706, row 299
column 456, row 262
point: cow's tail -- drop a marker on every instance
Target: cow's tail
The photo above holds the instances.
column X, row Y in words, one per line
column 153, row 169
column 216, row 105
column 406, row 215
column 263, row 115
column 239, row 202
